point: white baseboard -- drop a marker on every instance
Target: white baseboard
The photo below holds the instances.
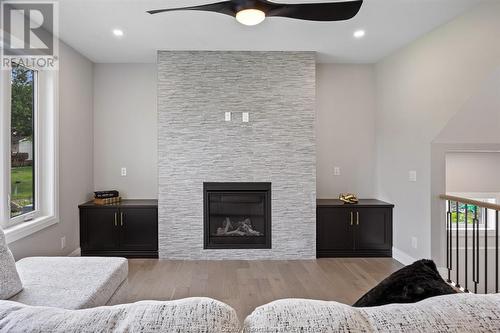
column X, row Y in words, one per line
column 406, row 260
column 402, row 257
column 76, row 253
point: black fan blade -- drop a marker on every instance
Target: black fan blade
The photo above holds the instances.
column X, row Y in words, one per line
column 225, row 7
column 334, row 11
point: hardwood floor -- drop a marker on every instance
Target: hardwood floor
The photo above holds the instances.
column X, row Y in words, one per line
column 247, row 284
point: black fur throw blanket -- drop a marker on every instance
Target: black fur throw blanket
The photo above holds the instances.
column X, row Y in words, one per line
column 410, row 284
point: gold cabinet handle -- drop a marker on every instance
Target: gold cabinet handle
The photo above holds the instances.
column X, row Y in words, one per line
column 357, row 218
column 121, row 219
column 116, row 218
column 352, row 218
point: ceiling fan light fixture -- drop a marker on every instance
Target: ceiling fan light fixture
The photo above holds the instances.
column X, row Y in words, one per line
column 250, row 16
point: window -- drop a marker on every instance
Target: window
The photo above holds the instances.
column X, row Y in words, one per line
column 471, row 214
column 22, row 143
column 28, row 150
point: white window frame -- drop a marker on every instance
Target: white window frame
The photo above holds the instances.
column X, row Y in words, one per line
column 46, row 154
column 37, row 212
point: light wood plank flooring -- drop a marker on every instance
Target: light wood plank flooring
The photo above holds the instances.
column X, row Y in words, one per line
column 247, row 284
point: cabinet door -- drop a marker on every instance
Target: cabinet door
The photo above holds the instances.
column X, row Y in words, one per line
column 101, row 229
column 139, row 229
column 334, row 230
column 373, row 229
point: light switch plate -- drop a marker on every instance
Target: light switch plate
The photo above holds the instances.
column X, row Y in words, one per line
column 124, row 172
column 227, row 116
column 412, row 176
column 245, row 117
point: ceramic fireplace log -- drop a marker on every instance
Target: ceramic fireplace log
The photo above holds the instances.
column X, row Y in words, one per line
column 241, row 228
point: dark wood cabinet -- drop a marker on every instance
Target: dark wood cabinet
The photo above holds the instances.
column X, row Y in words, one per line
column 334, row 236
column 98, row 227
column 353, row 230
column 127, row 229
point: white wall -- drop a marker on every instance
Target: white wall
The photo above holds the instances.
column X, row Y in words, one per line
column 345, row 129
column 125, row 98
column 125, row 129
column 475, row 127
column 419, row 90
column 75, row 158
column 473, row 172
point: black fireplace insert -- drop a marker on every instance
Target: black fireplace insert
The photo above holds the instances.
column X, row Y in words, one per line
column 237, row 215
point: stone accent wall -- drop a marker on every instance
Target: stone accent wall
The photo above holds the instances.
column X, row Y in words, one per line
column 196, row 145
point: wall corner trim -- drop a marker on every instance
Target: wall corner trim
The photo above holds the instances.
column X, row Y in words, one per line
column 402, row 257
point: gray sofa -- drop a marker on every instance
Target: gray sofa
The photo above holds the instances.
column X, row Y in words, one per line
column 62, row 282
column 72, row 282
column 450, row 313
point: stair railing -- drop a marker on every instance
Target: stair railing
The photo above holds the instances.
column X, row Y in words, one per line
column 472, row 244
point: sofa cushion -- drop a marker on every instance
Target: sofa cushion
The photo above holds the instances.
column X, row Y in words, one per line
column 10, row 283
column 455, row 313
column 302, row 315
column 70, row 282
column 187, row 315
column 410, row 284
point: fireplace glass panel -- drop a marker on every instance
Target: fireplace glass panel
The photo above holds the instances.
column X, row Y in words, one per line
column 237, row 215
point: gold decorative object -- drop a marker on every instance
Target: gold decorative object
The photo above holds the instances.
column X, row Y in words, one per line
column 348, row 198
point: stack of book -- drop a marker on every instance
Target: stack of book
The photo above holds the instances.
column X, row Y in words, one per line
column 106, row 197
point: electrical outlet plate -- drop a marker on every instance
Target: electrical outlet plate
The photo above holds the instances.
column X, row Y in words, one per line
column 414, row 243
column 412, row 176
column 227, row 116
column 336, row 171
column 124, row 171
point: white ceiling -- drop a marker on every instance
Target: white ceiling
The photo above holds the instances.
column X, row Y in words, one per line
column 86, row 25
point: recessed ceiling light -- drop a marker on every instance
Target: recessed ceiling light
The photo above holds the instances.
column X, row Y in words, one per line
column 250, row 16
column 118, row 32
column 359, row 33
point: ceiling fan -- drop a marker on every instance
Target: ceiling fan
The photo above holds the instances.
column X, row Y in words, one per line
column 252, row 12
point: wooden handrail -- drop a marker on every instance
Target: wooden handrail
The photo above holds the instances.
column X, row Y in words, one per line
column 470, row 202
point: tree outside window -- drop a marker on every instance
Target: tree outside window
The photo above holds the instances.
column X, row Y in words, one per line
column 22, row 140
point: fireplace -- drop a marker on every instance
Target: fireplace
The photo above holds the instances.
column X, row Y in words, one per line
column 237, row 215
